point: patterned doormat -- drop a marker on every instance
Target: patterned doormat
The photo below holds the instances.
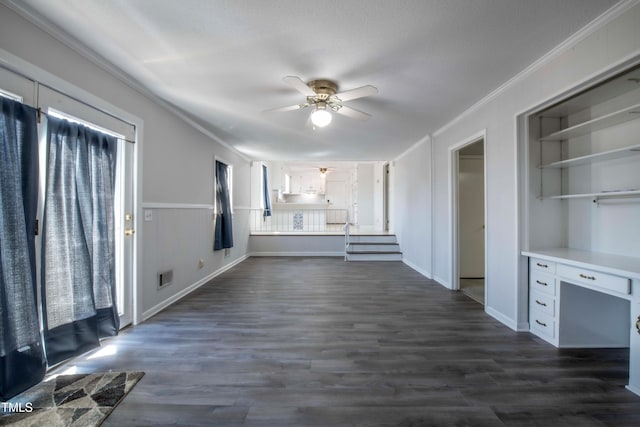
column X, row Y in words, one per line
column 81, row 400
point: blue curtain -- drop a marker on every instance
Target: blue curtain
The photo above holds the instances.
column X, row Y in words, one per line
column 78, row 257
column 265, row 191
column 223, row 228
column 22, row 362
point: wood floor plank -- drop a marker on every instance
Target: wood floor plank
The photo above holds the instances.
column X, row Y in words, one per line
column 297, row 341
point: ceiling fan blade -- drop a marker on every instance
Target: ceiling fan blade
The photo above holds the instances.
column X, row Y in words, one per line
column 353, row 113
column 289, row 108
column 360, row 92
column 298, row 84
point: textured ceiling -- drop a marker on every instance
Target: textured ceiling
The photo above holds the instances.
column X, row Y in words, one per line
column 223, row 61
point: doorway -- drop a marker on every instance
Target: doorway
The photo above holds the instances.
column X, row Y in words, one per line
column 469, row 240
column 385, row 198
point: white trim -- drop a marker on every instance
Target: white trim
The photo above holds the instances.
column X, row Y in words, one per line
column 595, row 25
column 502, row 318
column 453, row 208
column 632, row 389
column 186, row 291
column 278, row 254
column 523, row 327
column 433, row 203
column 442, row 282
column 11, row 95
column 152, row 205
column 424, row 139
column 418, row 269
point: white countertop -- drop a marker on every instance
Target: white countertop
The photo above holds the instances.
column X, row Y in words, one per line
column 608, row 263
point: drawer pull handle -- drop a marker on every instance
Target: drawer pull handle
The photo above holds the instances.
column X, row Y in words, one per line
column 584, row 276
column 540, row 323
column 542, row 265
column 638, row 324
column 541, row 303
column 541, row 283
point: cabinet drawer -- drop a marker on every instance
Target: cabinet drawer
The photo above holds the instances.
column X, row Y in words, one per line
column 542, row 325
column 542, row 265
column 543, row 303
column 595, row 279
column 542, row 282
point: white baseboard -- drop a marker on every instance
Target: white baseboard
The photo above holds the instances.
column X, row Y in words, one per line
column 633, row 389
column 333, row 254
column 442, row 282
column 523, row 327
column 186, row 291
column 501, row 318
column 418, row 269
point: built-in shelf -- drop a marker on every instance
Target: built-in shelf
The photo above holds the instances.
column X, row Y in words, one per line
column 600, row 195
column 588, row 159
column 602, row 122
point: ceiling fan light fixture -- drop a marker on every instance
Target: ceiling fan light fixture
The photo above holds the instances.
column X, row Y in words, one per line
column 320, row 117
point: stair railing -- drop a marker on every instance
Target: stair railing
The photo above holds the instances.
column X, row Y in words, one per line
column 346, row 235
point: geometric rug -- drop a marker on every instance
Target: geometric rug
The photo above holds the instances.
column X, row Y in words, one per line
column 78, row 400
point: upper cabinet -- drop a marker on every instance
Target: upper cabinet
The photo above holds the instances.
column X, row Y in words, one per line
column 584, row 153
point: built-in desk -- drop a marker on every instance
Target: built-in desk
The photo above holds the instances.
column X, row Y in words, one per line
column 581, row 299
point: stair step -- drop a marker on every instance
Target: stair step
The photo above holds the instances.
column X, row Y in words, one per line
column 372, row 238
column 381, row 247
column 373, row 256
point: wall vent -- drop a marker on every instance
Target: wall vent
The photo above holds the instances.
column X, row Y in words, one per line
column 165, row 278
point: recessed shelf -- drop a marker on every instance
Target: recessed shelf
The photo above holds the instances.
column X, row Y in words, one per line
column 590, row 158
column 600, row 194
column 602, row 122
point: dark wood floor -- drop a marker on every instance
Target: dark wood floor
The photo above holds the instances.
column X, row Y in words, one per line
column 321, row 342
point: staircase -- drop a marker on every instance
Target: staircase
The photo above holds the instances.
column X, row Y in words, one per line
column 374, row 247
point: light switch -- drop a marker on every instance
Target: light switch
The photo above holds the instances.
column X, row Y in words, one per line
column 148, row 215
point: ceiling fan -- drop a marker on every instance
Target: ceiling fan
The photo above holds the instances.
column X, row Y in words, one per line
column 321, row 96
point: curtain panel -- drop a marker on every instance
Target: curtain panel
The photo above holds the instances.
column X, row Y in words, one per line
column 223, row 237
column 265, row 193
column 22, row 362
column 78, row 256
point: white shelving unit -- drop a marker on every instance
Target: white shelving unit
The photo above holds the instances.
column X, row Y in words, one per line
column 595, row 157
column 584, row 260
column 593, row 125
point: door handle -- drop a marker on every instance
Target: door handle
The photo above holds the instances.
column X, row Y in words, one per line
column 638, row 325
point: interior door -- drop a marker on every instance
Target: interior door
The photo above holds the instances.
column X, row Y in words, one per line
column 336, row 194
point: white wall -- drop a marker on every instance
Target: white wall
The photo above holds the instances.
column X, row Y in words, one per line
column 178, row 165
column 411, row 209
column 291, row 245
column 614, row 42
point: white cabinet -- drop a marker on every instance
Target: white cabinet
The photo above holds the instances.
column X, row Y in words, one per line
column 575, row 305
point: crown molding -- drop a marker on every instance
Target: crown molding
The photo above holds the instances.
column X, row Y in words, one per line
column 63, row 37
column 614, row 12
column 423, row 140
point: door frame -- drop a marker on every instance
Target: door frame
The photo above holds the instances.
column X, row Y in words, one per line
column 454, row 170
column 386, row 196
